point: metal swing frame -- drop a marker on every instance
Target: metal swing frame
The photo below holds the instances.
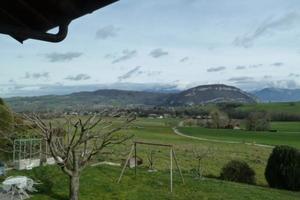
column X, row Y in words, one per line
column 172, row 157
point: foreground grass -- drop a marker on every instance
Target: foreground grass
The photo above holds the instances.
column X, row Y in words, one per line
column 100, row 183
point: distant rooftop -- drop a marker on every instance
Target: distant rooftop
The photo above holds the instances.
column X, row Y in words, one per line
column 31, row 19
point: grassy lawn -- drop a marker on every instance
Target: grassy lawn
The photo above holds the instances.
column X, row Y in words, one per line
column 99, row 183
column 160, row 131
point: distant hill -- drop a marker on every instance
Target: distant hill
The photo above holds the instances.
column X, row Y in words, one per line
column 86, row 100
column 278, row 95
column 211, row 94
column 93, row 100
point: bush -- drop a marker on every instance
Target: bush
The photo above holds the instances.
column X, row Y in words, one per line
column 258, row 121
column 238, row 171
column 283, row 168
column 218, row 119
column 1, row 101
column 6, row 125
column 44, row 175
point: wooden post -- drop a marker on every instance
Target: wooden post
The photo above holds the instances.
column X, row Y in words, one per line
column 135, row 159
column 176, row 162
column 126, row 163
column 171, row 170
column 30, row 151
column 14, row 154
column 20, row 149
column 41, row 153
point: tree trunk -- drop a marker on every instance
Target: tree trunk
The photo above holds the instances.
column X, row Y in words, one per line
column 74, row 187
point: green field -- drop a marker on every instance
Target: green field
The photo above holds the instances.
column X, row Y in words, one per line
column 100, row 182
column 293, row 108
column 288, row 133
column 286, row 126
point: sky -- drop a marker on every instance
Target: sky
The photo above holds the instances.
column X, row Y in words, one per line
column 171, row 44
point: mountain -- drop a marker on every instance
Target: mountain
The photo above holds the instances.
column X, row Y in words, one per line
column 100, row 98
column 211, row 94
column 278, row 95
column 86, row 100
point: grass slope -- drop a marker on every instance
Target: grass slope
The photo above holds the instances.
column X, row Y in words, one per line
column 99, row 183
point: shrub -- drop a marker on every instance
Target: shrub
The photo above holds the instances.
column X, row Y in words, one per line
column 238, row 171
column 6, row 125
column 1, row 101
column 44, row 175
column 283, row 168
column 218, row 119
column 258, row 121
column 6, row 119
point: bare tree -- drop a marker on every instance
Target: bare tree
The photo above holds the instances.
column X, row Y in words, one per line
column 83, row 139
column 200, row 155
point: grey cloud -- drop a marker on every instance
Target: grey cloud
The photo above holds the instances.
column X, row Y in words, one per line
column 277, row 64
column 216, row 69
column 126, row 55
column 251, row 85
column 107, row 32
column 241, row 79
column 157, row 53
column 294, row 75
column 78, row 77
column 62, row 57
column 267, row 77
column 240, row 67
column 130, row 73
column 283, row 23
column 255, row 66
column 184, row 59
column 36, row 75
column 137, row 71
column 153, row 73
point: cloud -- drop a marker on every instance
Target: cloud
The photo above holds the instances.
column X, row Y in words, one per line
column 216, row 69
column 182, row 60
column 277, row 64
column 126, row 55
column 267, row 77
column 44, row 75
column 240, row 67
column 251, row 85
column 130, row 73
column 241, row 79
column 255, row 66
column 107, row 32
column 62, row 57
column 157, row 53
column 153, row 73
column 137, row 71
column 294, row 75
column 78, row 77
column 269, row 25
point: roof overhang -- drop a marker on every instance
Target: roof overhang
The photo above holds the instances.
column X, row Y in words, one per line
column 32, row 19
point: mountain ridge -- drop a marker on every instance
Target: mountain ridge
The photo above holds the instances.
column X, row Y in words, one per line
column 277, row 95
column 111, row 97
